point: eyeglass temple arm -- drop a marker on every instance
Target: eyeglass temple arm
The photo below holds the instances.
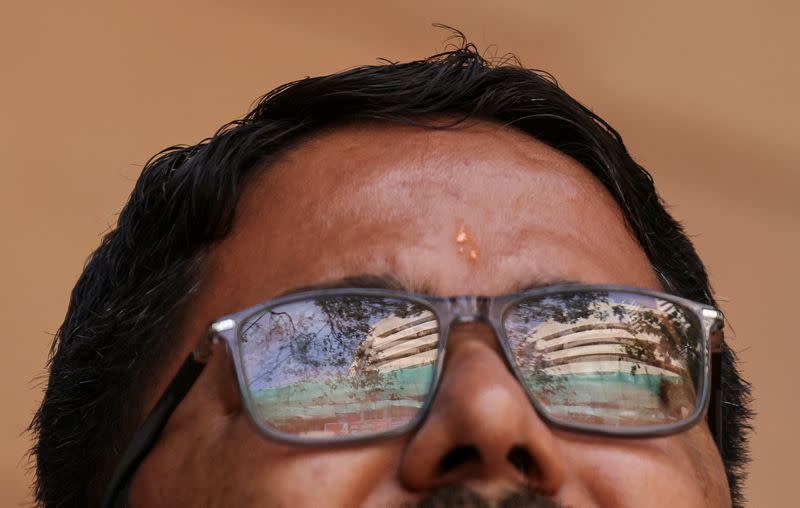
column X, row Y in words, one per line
column 148, row 433
column 716, row 343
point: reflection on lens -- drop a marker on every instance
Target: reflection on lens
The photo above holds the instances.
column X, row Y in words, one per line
column 339, row 366
column 607, row 358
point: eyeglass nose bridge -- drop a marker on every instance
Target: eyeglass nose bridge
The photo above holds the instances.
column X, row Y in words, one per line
column 469, row 309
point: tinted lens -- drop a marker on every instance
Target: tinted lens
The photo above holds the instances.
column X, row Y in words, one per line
column 607, row 358
column 339, row 365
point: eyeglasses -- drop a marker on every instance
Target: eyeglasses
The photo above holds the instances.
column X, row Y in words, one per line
column 345, row 365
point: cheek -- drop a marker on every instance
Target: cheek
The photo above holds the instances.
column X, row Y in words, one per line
column 649, row 472
column 345, row 475
column 187, row 466
column 238, row 467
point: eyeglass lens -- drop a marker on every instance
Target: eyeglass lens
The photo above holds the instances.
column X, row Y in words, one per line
column 344, row 365
column 610, row 359
column 333, row 366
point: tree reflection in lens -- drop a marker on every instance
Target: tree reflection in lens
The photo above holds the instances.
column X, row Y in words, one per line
column 606, row 358
column 344, row 365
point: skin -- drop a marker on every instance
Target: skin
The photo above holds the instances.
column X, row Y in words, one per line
column 389, row 199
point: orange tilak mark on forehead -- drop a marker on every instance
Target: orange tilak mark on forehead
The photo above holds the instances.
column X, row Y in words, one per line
column 464, row 239
column 461, row 237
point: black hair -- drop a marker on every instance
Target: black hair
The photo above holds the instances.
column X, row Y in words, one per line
column 120, row 326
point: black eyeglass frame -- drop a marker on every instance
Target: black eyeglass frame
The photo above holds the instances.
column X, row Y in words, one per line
column 447, row 311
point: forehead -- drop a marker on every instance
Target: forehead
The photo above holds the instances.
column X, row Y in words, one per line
column 474, row 209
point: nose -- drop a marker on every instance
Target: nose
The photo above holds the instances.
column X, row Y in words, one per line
column 481, row 427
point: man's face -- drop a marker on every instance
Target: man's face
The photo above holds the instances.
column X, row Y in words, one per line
column 392, row 200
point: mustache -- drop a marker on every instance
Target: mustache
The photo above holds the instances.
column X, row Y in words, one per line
column 462, row 496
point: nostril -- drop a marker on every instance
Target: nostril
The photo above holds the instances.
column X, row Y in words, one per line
column 521, row 459
column 458, row 456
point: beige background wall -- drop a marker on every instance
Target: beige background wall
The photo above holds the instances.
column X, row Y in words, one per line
column 705, row 95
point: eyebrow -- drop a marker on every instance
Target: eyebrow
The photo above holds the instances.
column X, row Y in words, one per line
column 543, row 282
column 391, row 282
column 365, row 280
